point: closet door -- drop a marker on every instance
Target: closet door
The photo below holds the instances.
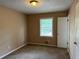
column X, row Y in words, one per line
column 76, row 43
column 62, row 32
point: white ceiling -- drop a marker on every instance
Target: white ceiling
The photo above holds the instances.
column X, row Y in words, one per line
column 43, row 6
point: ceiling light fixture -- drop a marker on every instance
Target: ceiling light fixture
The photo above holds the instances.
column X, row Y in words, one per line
column 34, row 2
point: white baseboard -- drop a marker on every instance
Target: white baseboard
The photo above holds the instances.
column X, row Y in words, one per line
column 12, row 51
column 42, row 44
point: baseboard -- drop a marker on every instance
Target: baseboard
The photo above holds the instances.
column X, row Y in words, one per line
column 12, row 51
column 42, row 44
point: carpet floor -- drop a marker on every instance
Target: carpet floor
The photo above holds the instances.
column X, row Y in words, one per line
column 39, row 52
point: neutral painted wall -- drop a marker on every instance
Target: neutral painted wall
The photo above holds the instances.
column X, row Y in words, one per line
column 71, row 17
column 12, row 30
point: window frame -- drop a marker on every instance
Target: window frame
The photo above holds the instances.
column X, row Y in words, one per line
column 52, row 26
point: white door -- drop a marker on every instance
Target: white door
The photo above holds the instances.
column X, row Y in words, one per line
column 77, row 32
column 62, row 32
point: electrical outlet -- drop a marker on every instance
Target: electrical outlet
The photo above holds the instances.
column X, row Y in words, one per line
column 8, row 47
column 46, row 42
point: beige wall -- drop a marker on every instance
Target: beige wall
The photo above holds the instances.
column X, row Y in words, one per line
column 71, row 17
column 12, row 30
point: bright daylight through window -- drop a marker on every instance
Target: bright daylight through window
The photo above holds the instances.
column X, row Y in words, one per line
column 46, row 27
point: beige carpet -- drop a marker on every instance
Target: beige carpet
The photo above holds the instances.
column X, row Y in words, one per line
column 39, row 52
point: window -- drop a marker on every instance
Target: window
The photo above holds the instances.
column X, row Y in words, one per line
column 46, row 27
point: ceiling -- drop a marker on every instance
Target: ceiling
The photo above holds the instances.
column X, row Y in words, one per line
column 44, row 6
